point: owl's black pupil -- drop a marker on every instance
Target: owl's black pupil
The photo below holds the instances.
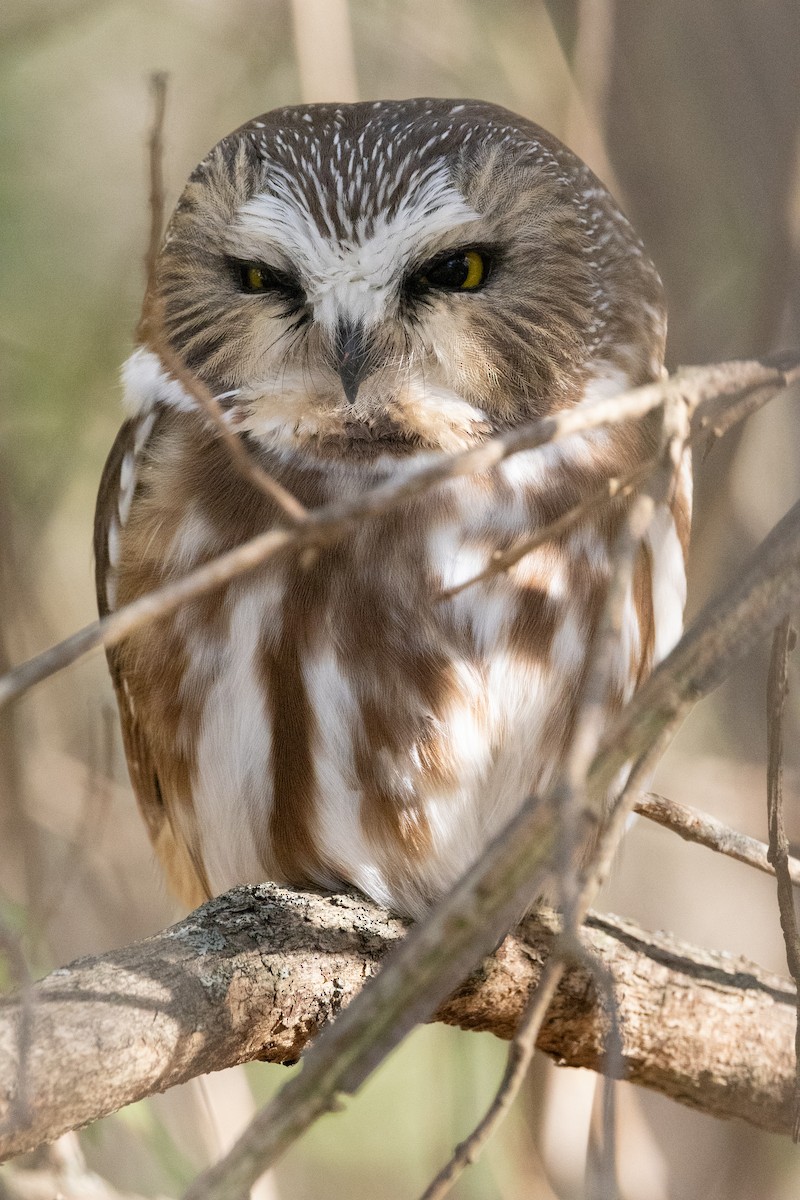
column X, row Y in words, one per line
column 450, row 273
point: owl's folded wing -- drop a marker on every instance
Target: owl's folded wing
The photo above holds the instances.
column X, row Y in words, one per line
column 151, row 781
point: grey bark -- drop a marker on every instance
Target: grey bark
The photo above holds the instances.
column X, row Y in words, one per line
column 255, row 974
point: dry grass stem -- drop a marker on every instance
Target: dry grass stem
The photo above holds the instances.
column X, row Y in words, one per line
column 777, row 687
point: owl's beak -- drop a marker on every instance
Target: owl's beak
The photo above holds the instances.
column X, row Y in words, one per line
column 352, row 357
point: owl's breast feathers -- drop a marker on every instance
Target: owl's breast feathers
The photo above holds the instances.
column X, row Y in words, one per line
column 359, row 285
column 335, row 720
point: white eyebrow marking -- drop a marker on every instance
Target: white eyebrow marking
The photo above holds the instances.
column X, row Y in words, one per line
column 349, row 276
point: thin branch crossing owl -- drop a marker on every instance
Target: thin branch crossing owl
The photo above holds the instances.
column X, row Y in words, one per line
column 365, row 287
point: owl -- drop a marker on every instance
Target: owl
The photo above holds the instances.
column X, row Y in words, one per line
column 365, row 287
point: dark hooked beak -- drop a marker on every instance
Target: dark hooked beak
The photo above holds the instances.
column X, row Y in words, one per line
column 352, row 354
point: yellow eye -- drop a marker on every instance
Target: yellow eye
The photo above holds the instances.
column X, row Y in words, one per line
column 254, row 279
column 461, row 272
column 276, row 285
column 475, row 271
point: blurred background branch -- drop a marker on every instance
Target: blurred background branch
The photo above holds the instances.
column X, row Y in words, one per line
column 324, row 50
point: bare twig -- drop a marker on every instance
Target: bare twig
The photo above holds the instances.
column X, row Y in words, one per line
column 517, row 1064
column 158, row 84
column 704, row 830
column 117, row 625
column 151, row 325
column 720, row 418
column 293, row 511
column 777, row 687
column 695, row 386
column 503, row 560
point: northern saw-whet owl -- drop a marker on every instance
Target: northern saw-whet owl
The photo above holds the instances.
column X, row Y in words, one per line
column 364, row 287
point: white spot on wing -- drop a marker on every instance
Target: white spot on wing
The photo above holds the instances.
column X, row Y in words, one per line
column 113, row 544
column 231, row 780
column 605, row 381
column 338, row 813
column 145, row 384
column 669, row 581
column 126, row 489
column 194, row 538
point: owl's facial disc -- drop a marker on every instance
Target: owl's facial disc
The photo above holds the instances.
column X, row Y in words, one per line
column 366, row 285
column 402, row 275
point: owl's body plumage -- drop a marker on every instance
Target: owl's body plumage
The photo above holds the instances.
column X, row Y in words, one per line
column 332, row 719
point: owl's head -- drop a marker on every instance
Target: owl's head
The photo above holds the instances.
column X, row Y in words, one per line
column 369, row 279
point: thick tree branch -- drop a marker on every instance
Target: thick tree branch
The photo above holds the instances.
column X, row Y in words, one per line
column 255, row 973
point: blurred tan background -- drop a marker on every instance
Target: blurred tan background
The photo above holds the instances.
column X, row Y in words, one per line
column 689, row 111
